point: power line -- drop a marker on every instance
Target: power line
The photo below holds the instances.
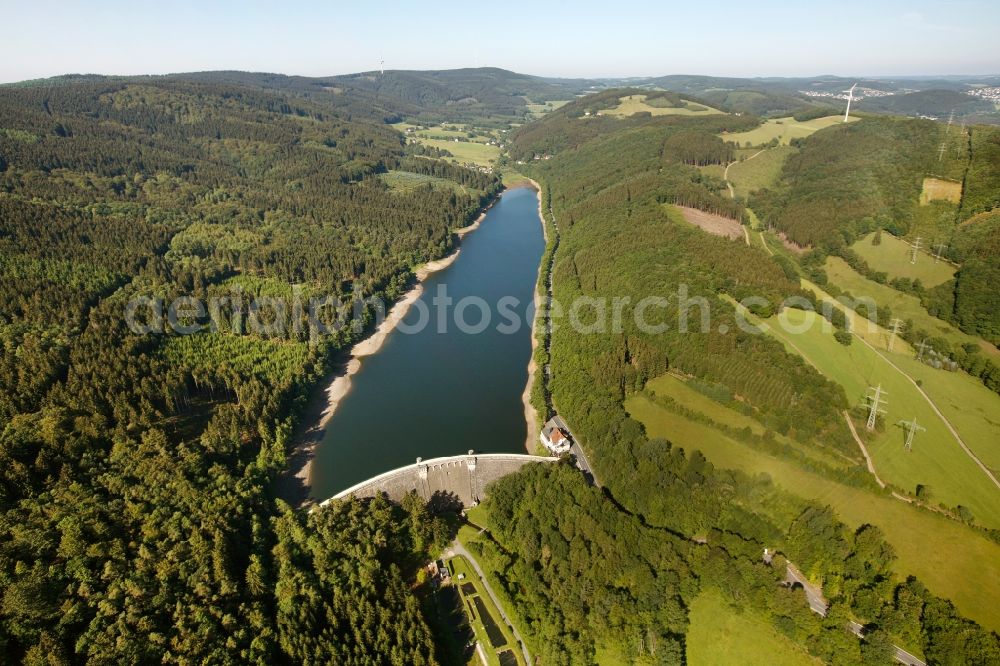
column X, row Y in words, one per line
column 940, row 247
column 914, row 248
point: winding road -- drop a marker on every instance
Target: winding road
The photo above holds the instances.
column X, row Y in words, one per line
column 819, row 605
column 582, row 462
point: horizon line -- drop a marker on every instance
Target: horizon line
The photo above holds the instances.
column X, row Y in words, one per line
column 492, row 67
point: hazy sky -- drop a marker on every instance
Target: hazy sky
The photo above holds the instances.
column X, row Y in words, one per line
column 608, row 38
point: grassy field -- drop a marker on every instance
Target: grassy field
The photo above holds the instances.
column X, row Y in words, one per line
column 951, row 559
column 405, row 181
column 892, row 256
column 482, row 154
column 936, row 459
column 973, row 409
column 936, row 189
column 782, row 129
column 762, row 171
column 631, row 104
column 476, row 149
column 680, row 391
column 536, row 111
column 904, row 306
column 459, row 566
column 720, row 634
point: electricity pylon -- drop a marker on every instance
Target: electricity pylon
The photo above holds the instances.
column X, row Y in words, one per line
column 896, row 324
column 923, row 346
column 940, row 248
column 914, row 247
column 875, row 403
column 911, row 429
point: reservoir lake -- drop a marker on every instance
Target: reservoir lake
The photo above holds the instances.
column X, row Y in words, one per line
column 437, row 390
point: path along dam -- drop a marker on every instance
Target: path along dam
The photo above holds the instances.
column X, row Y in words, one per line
column 462, row 477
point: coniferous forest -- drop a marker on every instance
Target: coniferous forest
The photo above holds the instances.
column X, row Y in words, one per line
column 138, row 518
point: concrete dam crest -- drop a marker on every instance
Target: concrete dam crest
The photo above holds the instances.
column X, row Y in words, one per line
column 464, row 477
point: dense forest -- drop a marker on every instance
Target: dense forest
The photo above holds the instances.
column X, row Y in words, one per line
column 977, row 300
column 546, row 529
column 854, row 178
column 137, row 516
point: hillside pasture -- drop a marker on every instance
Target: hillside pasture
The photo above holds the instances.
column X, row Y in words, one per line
column 680, row 391
column 713, row 224
column 482, row 154
column 892, row 256
column 936, row 459
column 536, row 111
column 936, row 189
column 972, row 409
column 632, row 104
column 904, row 306
column 759, row 171
column 952, row 560
column 456, row 140
column 723, row 634
column 782, row 129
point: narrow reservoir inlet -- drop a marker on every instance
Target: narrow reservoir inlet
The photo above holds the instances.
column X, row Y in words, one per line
column 455, row 383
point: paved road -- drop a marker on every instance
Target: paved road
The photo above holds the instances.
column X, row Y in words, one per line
column 582, row 463
column 819, row 605
column 817, row 602
column 901, row 655
column 458, row 549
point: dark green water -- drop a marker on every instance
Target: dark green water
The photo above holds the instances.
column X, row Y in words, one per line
column 441, row 391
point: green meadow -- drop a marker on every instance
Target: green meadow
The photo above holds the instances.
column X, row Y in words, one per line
column 972, row 409
column 892, row 256
column 456, row 140
column 904, row 306
column 936, row 459
column 782, row 129
column 536, row 111
column 482, row 154
column 681, row 392
column 632, row 104
column 722, row 634
column 760, row 171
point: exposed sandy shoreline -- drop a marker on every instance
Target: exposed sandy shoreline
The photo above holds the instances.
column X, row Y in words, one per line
column 530, row 415
column 294, row 488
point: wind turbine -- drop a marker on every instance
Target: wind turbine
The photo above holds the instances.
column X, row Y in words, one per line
column 850, row 98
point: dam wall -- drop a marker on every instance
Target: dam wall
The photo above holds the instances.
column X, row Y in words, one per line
column 464, row 477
